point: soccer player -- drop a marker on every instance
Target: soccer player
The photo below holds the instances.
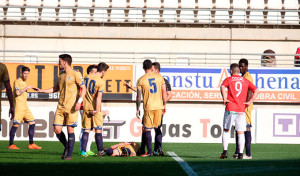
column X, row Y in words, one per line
column 92, row 110
column 125, row 149
column 158, row 135
column 243, row 64
column 236, row 103
column 153, row 88
column 69, row 103
column 22, row 110
column 92, row 69
column 4, row 78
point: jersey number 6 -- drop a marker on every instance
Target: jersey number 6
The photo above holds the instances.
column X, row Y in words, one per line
column 151, row 83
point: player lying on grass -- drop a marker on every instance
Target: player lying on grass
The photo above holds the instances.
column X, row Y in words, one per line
column 125, row 149
column 235, row 101
column 22, row 112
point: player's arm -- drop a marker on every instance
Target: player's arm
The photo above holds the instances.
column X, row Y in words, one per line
column 21, row 91
column 138, row 102
column 98, row 102
column 81, row 97
column 164, row 96
column 10, row 99
column 224, row 94
column 254, row 96
column 51, row 90
column 130, row 87
column 79, row 81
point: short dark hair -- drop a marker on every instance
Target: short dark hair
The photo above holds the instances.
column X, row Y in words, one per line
column 147, row 64
column 156, row 65
column 234, row 66
column 102, row 67
column 67, row 58
column 243, row 60
column 90, row 68
column 24, row 69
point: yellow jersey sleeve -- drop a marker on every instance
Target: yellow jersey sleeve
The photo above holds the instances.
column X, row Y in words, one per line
column 101, row 85
column 17, row 85
column 78, row 78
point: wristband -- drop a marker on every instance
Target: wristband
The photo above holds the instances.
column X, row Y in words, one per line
column 80, row 100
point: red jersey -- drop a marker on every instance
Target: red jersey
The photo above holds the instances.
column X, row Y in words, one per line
column 237, row 92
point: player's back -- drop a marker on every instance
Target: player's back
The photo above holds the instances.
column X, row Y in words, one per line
column 94, row 84
column 151, row 86
column 237, row 92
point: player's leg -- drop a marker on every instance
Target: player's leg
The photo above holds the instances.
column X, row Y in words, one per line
column 81, row 131
column 58, row 124
column 148, row 126
column 227, row 123
column 71, row 122
column 18, row 119
column 248, row 137
column 31, row 130
column 86, row 126
column 240, row 122
column 97, row 121
column 12, row 134
column 157, row 122
column 237, row 149
column 89, row 142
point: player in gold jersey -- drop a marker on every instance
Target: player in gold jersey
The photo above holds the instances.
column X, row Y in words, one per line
column 243, row 64
column 23, row 114
column 153, row 88
column 92, row 108
column 68, row 85
column 4, row 78
column 125, row 149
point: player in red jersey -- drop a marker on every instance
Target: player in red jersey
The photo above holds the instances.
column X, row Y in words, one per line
column 235, row 101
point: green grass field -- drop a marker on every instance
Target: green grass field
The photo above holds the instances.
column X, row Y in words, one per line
column 268, row 159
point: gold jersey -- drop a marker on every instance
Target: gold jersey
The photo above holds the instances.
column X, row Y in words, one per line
column 133, row 147
column 249, row 77
column 94, row 84
column 68, row 86
column 151, row 86
column 3, row 77
column 20, row 101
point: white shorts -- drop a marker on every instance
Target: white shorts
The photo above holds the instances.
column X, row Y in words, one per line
column 235, row 118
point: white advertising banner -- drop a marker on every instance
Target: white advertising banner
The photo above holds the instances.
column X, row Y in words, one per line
column 180, row 124
column 278, row 126
column 203, row 84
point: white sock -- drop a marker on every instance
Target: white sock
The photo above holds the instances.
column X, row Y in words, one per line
column 80, row 138
column 91, row 138
column 241, row 139
column 225, row 139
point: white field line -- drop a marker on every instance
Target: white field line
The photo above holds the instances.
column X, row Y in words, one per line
column 188, row 170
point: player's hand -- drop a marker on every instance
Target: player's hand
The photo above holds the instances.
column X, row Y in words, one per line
column 77, row 107
column 93, row 113
column 36, row 89
column 247, row 103
column 226, row 101
column 29, row 87
column 138, row 113
column 12, row 112
column 164, row 110
column 126, row 84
